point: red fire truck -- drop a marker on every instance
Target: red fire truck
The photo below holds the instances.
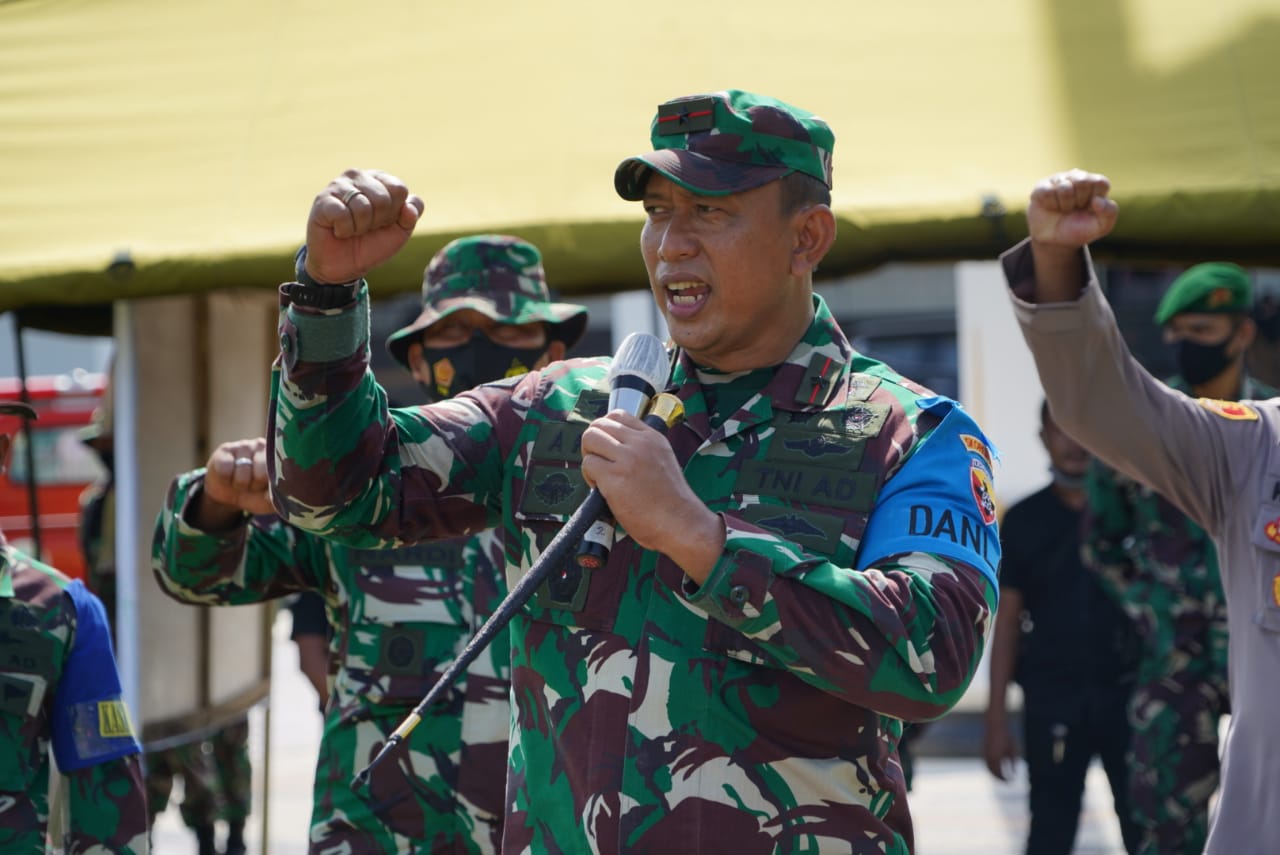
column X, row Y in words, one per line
column 64, row 466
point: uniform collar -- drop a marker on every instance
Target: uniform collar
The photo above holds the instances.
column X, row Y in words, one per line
column 806, row 381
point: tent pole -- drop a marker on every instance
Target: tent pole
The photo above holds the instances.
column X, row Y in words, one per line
column 33, row 493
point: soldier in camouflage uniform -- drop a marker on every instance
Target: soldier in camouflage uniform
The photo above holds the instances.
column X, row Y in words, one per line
column 1162, row 568
column 216, row 773
column 807, row 560
column 400, row 616
column 59, row 689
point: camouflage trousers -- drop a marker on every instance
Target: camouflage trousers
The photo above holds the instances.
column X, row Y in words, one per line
column 1175, row 758
column 216, row 777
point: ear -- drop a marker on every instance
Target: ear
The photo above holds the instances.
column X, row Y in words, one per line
column 1247, row 332
column 555, row 352
column 815, row 231
column 418, row 366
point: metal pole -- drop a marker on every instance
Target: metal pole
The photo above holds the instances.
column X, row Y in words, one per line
column 33, row 493
column 124, row 388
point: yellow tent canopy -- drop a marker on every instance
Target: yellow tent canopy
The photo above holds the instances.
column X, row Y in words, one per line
column 153, row 147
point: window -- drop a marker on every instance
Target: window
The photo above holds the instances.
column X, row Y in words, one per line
column 60, row 457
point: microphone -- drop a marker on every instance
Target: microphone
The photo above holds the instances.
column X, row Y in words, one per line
column 640, row 367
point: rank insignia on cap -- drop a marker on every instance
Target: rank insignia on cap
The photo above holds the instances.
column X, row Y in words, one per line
column 1272, row 530
column 1219, row 297
column 1233, row 410
column 686, row 117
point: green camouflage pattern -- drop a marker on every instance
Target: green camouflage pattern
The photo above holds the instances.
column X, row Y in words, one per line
column 760, row 713
column 727, row 142
column 1162, row 569
column 216, row 784
column 217, row 777
column 108, row 810
column 498, row 276
column 400, row 617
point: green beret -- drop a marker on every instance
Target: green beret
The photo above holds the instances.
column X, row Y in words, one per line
column 1216, row 286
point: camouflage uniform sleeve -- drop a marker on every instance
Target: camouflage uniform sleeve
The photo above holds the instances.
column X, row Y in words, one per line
column 108, row 808
column 258, row 560
column 345, row 466
column 902, row 632
column 1108, row 521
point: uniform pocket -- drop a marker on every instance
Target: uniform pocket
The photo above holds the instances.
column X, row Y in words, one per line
column 1266, row 537
column 21, row 707
column 409, row 620
column 571, row 595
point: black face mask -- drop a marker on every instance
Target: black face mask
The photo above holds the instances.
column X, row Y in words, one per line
column 1200, row 363
column 481, row 360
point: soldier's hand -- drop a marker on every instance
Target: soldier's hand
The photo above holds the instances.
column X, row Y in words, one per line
column 359, row 221
column 638, row 474
column 236, row 477
column 1071, row 209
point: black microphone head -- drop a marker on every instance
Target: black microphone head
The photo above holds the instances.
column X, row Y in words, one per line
column 639, row 370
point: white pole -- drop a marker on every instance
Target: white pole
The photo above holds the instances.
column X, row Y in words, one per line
column 634, row 311
column 124, row 388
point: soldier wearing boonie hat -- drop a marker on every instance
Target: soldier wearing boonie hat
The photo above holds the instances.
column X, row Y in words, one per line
column 501, row 278
column 398, row 614
column 61, row 697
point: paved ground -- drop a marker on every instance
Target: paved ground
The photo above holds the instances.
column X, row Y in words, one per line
column 958, row 807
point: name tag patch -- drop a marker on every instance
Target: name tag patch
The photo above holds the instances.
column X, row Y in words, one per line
column 810, row 484
column 113, row 720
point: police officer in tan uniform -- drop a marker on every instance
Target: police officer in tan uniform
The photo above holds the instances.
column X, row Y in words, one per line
column 1219, row 461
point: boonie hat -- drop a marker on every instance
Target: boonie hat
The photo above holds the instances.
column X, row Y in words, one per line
column 728, row 142
column 497, row 275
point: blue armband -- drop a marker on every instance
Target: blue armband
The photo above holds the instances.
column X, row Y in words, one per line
column 91, row 723
column 941, row 501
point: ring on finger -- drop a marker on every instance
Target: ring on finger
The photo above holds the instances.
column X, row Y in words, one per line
column 244, row 461
column 351, row 194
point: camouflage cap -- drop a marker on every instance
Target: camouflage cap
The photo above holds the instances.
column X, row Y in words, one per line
column 500, row 277
column 1215, row 286
column 728, row 142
